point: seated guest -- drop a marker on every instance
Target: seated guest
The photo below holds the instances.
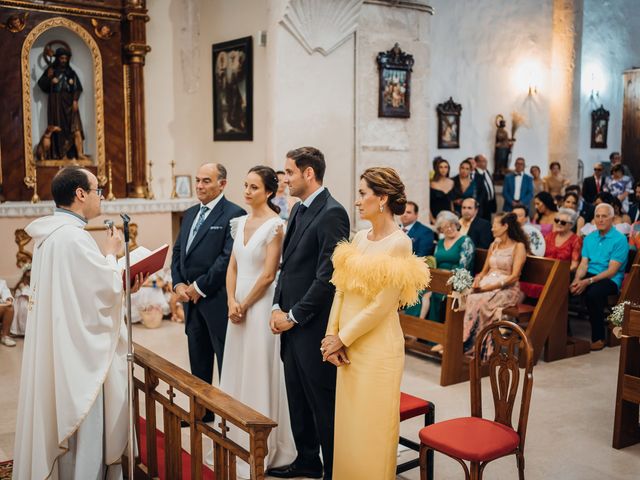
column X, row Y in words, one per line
column 555, row 182
column 538, row 183
column 463, row 185
column 621, row 221
column 21, row 303
column 518, row 187
column 440, row 189
column 282, row 198
column 496, row 286
column 584, row 208
column 616, row 159
column 594, row 184
column 454, row 250
column 600, row 273
column 6, row 314
column 536, row 239
column 620, row 186
column 571, row 201
column 545, row 211
column 476, row 228
column 422, row 237
column 149, row 301
column 634, row 208
column 561, row 242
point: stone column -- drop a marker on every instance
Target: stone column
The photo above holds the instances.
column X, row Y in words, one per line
column 564, row 94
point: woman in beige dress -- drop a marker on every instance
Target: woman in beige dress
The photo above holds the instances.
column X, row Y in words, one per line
column 375, row 274
column 496, row 286
column 555, row 183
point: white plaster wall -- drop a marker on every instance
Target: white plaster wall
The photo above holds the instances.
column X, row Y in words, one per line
column 610, row 45
column 397, row 142
column 483, row 53
column 180, row 124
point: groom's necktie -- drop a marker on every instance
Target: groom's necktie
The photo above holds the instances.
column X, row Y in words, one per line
column 201, row 218
column 293, row 223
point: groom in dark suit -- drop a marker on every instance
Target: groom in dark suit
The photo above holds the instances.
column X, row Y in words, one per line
column 199, row 269
column 302, row 303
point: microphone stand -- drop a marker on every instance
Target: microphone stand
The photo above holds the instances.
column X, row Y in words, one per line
column 127, row 278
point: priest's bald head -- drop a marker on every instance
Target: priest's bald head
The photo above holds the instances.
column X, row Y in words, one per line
column 76, row 189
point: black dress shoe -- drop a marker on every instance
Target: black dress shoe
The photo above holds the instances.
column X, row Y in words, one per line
column 294, row 470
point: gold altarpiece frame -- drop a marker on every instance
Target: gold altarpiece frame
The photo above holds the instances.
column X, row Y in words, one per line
column 100, row 157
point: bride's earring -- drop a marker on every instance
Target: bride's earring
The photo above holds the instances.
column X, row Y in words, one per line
column 381, row 207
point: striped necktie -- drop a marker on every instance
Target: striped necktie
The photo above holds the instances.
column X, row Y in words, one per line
column 201, row 217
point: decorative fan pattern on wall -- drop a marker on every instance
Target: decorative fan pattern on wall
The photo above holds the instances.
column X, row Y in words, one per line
column 322, row 25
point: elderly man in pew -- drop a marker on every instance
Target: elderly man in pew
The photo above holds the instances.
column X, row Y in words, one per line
column 601, row 270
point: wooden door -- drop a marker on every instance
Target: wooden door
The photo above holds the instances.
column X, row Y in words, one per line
column 631, row 122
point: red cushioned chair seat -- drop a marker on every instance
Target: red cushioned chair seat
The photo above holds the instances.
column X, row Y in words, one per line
column 411, row 406
column 471, row 438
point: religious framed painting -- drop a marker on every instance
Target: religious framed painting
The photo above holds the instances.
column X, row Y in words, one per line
column 449, row 124
column 394, row 67
column 183, row 186
column 232, row 64
column 599, row 127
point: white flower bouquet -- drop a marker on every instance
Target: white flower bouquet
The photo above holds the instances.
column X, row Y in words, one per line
column 461, row 281
column 616, row 317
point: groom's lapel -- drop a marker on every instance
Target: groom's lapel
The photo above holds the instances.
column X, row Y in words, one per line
column 303, row 223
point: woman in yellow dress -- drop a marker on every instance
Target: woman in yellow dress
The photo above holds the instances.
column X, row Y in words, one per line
column 374, row 274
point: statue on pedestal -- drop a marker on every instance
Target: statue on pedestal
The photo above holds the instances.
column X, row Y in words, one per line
column 64, row 134
column 504, row 143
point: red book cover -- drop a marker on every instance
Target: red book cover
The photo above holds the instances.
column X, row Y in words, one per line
column 144, row 261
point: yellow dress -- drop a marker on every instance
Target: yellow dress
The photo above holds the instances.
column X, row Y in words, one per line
column 373, row 279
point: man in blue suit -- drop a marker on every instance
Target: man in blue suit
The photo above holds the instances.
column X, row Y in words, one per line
column 518, row 187
column 421, row 236
column 201, row 255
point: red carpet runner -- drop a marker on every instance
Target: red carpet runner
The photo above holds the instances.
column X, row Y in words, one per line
column 207, row 473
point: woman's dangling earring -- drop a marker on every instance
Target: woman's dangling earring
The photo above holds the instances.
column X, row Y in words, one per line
column 381, row 207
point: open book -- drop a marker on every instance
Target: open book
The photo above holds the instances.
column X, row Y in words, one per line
column 144, row 261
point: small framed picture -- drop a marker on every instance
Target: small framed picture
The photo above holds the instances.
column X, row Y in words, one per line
column 449, row 124
column 232, row 64
column 183, row 186
column 599, row 127
column 395, row 68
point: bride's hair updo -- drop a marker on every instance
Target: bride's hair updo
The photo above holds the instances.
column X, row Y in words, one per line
column 386, row 181
column 270, row 182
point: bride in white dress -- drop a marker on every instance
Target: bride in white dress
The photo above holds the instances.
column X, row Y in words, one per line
column 252, row 371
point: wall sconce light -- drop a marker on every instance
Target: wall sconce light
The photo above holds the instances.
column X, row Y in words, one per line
column 593, row 81
column 533, row 90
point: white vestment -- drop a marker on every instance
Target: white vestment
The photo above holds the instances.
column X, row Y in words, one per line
column 74, row 352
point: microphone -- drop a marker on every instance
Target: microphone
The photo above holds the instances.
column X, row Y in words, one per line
column 125, row 219
column 108, row 224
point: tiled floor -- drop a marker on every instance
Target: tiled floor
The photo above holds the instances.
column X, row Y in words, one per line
column 570, row 423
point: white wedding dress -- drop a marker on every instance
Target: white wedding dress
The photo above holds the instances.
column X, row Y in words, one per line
column 252, row 371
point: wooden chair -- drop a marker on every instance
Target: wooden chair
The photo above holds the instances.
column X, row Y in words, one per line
column 478, row 440
column 626, row 430
column 411, row 407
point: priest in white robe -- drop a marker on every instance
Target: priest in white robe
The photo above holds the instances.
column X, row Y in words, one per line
column 72, row 411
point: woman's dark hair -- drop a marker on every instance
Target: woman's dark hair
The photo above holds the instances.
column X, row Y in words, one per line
column 65, row 184
column 514, row 230
column 309, row 157
column 467, row 162
column 270, row 182
column 386, row 181
column 617, row 168
column 608, row 197
column 436, row 171
column 554, row 164
column 547, row 201
column 574, row 195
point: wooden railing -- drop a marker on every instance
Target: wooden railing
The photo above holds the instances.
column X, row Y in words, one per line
column 196, row 398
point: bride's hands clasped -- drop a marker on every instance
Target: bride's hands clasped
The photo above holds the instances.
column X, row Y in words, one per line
column 236, row 311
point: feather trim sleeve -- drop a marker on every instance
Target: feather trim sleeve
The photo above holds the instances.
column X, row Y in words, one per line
column 368, row 274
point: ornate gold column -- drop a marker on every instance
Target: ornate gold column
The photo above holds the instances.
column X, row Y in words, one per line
column 135, row 50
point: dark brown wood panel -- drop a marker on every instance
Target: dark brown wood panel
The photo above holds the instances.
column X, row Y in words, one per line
column 631, row 122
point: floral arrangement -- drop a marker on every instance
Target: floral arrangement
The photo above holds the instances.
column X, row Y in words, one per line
column 461, row 282
column 616, row 317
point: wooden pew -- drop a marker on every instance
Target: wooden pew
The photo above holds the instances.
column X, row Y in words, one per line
column 630, row 291
column 546, row 320
column 454, row 368
column 626, row 430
